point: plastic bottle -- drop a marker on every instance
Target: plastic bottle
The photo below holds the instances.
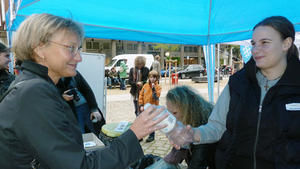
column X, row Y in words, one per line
column 175, row 130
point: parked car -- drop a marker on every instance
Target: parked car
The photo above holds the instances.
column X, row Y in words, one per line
column 226, row 70
column 192, row 71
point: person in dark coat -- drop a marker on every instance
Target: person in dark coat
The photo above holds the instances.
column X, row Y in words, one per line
column 79, row 95
column 138, row 76
column 256, row 119
column 37, row 126
column 5, row 77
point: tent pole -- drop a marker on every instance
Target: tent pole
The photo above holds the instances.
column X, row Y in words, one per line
column 218, row 70
column 210, row 81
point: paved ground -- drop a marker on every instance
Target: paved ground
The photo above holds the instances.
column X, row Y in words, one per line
column 120, row 108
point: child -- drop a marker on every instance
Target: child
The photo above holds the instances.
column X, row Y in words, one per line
column 150, row 93
column 189, row 108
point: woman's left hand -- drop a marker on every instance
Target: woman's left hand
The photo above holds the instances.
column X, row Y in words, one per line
column 96, row 115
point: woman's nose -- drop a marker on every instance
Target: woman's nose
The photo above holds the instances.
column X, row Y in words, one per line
column 78, row 57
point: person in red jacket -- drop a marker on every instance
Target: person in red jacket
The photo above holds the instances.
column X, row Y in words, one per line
column 150, row 93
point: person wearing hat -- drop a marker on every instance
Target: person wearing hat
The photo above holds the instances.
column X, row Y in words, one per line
column 5, row 77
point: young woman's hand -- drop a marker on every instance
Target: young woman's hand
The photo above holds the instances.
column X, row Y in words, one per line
column 182, row 136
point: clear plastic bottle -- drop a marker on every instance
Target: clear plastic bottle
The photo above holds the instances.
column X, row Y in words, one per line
column 175, row 130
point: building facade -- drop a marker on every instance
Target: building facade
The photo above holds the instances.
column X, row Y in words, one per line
column 190, row 54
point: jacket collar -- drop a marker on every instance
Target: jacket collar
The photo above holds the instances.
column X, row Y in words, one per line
column 3, row 74
column 36, row 69
column 289, row 77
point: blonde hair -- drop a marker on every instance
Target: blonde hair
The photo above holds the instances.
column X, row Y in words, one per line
column 38, row 29
column 194, row 108
column 140, row 60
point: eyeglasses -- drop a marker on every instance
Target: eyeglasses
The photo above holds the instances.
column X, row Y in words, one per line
column 72, row 49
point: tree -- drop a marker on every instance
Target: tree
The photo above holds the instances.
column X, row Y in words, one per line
column 167, row 47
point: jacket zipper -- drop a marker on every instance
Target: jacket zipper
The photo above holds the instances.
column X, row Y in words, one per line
column 256, row 137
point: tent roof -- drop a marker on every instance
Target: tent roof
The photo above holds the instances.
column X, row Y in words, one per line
column 165, row 21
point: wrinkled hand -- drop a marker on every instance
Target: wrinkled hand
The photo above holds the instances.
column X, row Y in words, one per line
column 96, row 115
column 145, row 124
column 181, row 137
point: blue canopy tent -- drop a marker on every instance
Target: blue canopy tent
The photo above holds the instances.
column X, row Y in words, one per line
column 195, row 22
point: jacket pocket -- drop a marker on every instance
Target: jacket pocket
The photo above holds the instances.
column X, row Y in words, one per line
column 293, row 152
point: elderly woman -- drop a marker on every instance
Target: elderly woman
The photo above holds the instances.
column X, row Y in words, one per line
column 37, row 127
column 137, row 78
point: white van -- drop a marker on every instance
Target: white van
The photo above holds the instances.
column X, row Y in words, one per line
column 116, row 61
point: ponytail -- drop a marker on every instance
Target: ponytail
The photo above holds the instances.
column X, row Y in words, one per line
column 293, row 52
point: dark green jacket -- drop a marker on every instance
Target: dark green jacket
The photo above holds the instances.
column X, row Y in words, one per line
column 35, row 122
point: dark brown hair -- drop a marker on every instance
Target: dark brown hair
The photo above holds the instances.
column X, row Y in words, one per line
column 285, row 28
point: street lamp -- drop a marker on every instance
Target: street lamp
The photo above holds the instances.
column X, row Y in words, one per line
column 167, row 54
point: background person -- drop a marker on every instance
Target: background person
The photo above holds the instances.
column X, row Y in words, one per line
column 256, row 118
column 123, row 74
column 156, row 66
column 113, row 78
column 137, row 78
column 5, row 77
column 79, row 95
column 37, row 126
column 150, row 93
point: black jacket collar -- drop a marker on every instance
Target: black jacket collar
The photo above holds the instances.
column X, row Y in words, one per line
column 4, row 74
column 37, row 69
column 289, row 77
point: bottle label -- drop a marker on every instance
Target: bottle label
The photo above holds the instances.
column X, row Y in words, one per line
column 170, row 121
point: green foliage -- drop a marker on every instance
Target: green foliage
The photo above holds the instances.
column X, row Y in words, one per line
column 166, row 47
column 174, row 58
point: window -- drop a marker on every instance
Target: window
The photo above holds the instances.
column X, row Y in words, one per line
column 106, row 46
column 92, row 45
column 150, row 47
column 130, row 46
column 119, row 63
column 190, row 49
column 95, row 45
column 89, row 45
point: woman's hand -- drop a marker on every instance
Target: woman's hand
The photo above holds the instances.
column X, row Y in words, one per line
column 67, row 97
column 144, row 124
column 184, row 136
column 141, row 108
column 96, row 115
